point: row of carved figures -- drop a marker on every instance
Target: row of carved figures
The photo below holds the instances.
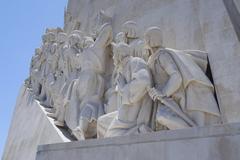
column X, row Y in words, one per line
column 98, row 86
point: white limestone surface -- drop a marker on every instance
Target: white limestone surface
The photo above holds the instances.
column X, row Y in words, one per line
column 29, row 128
column 206, row 143
column 237, row 3
column 186, row 24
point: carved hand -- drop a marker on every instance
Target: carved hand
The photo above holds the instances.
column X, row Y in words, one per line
column 154, row 93
column 120, row 81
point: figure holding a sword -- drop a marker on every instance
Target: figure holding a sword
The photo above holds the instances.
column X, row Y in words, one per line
column 183, row 94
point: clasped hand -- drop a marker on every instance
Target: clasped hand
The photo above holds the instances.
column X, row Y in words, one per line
column 155, row 94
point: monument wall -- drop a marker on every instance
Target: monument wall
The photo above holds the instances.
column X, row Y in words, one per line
column 29, row 128
column 208, row 143
column 237, row 3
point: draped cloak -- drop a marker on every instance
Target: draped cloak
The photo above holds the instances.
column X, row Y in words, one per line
column 199, row 91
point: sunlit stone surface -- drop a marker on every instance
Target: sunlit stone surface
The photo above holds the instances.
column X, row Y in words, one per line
column 133, row 70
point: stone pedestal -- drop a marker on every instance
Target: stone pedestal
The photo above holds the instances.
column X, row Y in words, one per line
column 29, row 128
column 207, row 143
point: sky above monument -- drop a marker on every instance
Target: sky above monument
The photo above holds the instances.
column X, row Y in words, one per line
column 22, row 25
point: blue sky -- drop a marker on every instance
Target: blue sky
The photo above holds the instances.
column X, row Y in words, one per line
column 22, row 24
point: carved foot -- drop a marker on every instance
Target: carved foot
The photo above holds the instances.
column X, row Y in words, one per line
column 44, row 104
column 144, row 129
column 77, row 132
column 52, row 115
column 50, row 110
column 59, row 124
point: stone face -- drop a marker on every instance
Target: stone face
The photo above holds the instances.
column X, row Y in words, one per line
column 29, row 128
column 207, row 143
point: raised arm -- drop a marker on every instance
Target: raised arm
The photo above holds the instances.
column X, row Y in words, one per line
column 105, row 36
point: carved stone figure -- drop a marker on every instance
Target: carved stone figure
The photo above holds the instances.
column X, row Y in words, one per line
column 134, row 104
column 111, row 96
column 130, row 31
column 44, row 66
column 37, row 68
column 50, row 67
column 59, row 78
column 88, row 42
column 110, row 107
column 149, row 88
column 85, row 103
column 61, row 47
column 56, row 86
column 183, row 94
column 71, row 69
column 35, row 72
column 72, row 56
column 121, row 38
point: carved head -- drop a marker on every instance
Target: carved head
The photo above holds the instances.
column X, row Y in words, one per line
column 120, row 37
column 61, row 37
column 51, row 37
column 38, row 51
column 120, row 51
column 74, row 39
column 88, row 41
column 78, row 32
column 59, row 30
column 130, row 29
column 153, row 37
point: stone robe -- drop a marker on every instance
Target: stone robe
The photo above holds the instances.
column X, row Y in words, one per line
column 85, row 93
column 180, row 75
column 133, row 99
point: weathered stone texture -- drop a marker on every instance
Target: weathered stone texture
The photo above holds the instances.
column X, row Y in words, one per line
column 208, row 143
column 30, row 127
column 186, row 24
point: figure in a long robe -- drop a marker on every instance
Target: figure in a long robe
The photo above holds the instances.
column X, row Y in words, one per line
column 86, row 92
column 134, row 104
column 183, row 93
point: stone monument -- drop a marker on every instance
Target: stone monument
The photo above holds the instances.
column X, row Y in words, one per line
column 133, row 80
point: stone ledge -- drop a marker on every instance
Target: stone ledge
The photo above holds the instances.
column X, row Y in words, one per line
column 29, row 128
column 223, row 136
